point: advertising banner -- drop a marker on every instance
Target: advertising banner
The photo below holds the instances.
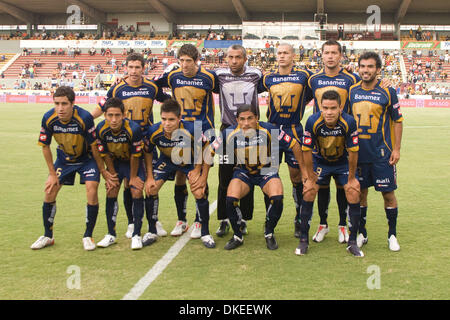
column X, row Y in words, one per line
column 85, row 44
column 179, row 43
column 421, row 45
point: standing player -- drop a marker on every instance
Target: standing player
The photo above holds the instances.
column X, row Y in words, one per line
column 332, row 77
column 120, row 145
column 289, row 94
column 250, row 147
column 192, row 86
column 334, row 138
column 74, row 130
column 380, row 125
column 138, row 95
column 237, row 85
column 180, row 151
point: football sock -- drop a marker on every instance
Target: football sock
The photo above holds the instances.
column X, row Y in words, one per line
column 48, row 215
column 234, row 215
column 203, row 213
column 181, row 196
column 362, row 222
column 273, row 214
column 128, row 204
column 111, row 215
column 297, row 194
column 266, row 201
column 138, row 215
column 354, row 213
column 323, row 200
column 91, row 219
column 391, row 215
column 151, row 212
column 341, row 200
column 306, row 212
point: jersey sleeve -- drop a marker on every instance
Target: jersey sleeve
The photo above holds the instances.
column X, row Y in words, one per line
column 163, row 81
column 262, row 85
column 357, row 77
column 149, row 144
column 394, row 108
column 286, row 141
column 352, row 136
column 137, row 142
column 102, row 147
column 90, row 130
column 102, row 102
column 45, row 135
column 309, row 137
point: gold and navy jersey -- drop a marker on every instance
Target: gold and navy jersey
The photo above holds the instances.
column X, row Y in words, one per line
column 73, row 137
column 320, row 82
column 138, row 100
column 122, row 145
column 330, row 145
column 253, row 150
column 184, row 147
column 375, row 112
column 194, row 94
column 289, row 94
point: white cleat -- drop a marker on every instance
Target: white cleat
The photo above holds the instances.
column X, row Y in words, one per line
column 160, row 230
column 179, row 229
column 343, row 234
column 196, row 231
column 130, row 231
column 360, row 240
column 149, row 238
column 208, row 241
column 42, row 242
column 136, row 242
column 322, row 231
column 393, row 243
column 88, row 244
column 107, row 241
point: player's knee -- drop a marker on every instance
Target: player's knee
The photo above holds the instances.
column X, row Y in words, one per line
column 389, row 199
column 113, row 193
column 136, row 193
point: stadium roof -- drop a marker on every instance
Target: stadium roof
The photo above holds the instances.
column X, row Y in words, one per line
column 338, row 11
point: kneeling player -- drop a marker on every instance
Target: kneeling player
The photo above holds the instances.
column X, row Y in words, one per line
column 74, row 130
column 252, row 146
column 334, row 137
column 180, row 150
column 120, row 145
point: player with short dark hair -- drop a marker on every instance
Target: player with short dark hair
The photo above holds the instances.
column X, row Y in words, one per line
column 332, row 136
column 380, row 125
column 74, row 131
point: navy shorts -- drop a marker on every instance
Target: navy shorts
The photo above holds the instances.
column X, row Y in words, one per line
column 253, row 179
column 325, row 172
column 66, row 172
column 381, row 175
column 123, row 170
column 164, row 169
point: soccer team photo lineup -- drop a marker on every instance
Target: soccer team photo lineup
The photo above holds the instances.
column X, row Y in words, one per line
column 146, row 146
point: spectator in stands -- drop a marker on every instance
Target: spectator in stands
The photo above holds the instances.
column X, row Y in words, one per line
column 60, row 52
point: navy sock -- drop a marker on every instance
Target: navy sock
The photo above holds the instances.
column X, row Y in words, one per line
column 391, row 215
column 203, row 213
column 128, row 204
column 151, row 211
column 234, row 215
column 341, row 200
column 138, row 215
column 266, row 201
column 181, row 196
column 48, row 216
column 91, row 219
column 297, row 194
column 323, row 201
column 354, row 213
column 306, row 212
column 273, row 214
column 362, row 222
column 112, row 208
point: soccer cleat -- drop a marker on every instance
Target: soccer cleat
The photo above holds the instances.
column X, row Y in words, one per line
column 243, row 227
column 271, row 242
column 160, row 230
column 88, row 244
column 136, row 242
column 233, row 243
column 342, row 234
column 297, row 231
column 130, row 231
column 360, row 240
column 208, row 241
column 196, row 230
column 42, row 242
column 393, row 243
column 107, row 241
column 149, row 238
column 302, row 248
column 322, row 231
column 179, row 229
column 224, row 228
column 354, row 249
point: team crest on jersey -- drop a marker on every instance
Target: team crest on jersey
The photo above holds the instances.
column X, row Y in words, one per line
column 43, row 137
column 100, row 148
column 355, row 140
column 307, row 140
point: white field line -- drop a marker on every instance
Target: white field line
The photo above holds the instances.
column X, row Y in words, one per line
column 161, row 264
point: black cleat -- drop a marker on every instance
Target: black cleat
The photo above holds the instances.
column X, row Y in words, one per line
column 233, row 243
column 271, row 242
column 224, row 228
column 297, row 230
column 354, row 249
column 243, row 227
column 302, row 248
